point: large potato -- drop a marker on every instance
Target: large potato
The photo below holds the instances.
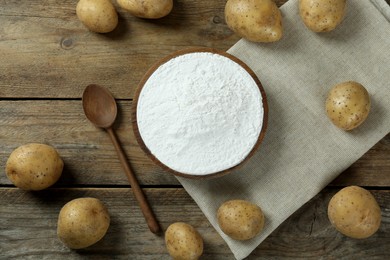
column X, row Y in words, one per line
column 240, row 219
column 82, row 222
column 97, row 15
column 354, row 212
column 151, row 9
column 183, row 241
column 322, row 15
column 348, row 105
column 255, row 20
column 34, row 166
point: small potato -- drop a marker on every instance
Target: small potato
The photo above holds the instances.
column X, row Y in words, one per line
column 97, row 15
column 183, row 241
column 348, row 105
column 82, row 222
column 322, row 15
column 354, row 212
column 240, row 219
column 150, row 9
column 254, row 20
column 34, row 166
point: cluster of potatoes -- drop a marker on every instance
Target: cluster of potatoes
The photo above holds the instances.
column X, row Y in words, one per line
column 348, row 103
column 101, row 16
column 353, row 211
column 261, row 20
column 255, row 20
column 238, row 219
column 82, row 222
column 35, row 166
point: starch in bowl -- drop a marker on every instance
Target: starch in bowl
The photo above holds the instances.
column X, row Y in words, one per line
column 200, row 112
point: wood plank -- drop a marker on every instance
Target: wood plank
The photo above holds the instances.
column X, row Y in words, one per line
column 370, row 170
column 46, row 52
column 53, row 55
column 308, row 234
column 88, row 154
column 90, row 158
column 28, row 228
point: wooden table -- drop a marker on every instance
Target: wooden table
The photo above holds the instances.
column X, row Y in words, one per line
column 47, row 58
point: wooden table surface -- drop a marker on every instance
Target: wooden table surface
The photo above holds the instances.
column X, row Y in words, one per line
column 48, row 58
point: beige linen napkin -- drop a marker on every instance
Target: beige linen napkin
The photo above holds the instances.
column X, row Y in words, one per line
column 303, row 151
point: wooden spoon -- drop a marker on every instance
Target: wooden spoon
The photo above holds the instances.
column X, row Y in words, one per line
column 100, row 108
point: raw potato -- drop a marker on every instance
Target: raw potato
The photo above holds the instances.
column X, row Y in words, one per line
column 240, row 219
column 255, row 20
column 82, row 222
column 322, row 15
column 183, row 241
column 151, row 9
column 354, row 212
column 348, row 105
column 34, row 166
column 97, row 15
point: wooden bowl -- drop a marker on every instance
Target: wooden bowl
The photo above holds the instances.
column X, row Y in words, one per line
column 150, row 72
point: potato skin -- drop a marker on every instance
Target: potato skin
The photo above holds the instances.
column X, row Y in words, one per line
column 82, row 222
column 254, row 20
column 97, row 15
column 183, row 241
column 150, row 9
column 354, row 212
column 240, row 219
column 322, row 15
column 34, row 166
column 348, row 105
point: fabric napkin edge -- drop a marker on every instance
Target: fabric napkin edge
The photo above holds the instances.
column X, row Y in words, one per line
column 382, row 7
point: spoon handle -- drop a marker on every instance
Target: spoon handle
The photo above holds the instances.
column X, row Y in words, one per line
column 139, row 195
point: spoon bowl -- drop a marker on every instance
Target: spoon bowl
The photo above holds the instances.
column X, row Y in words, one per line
column 99, row 106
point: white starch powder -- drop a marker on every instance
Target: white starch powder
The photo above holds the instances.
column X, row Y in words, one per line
column 200, row 113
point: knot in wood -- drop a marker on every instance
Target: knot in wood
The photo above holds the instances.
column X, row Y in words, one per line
column 67, row 43
column 216, row 19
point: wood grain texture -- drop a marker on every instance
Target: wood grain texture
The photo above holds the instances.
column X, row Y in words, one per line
column 87, row 151
column 47, row 52
column 90, row 158
column 28, row 228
